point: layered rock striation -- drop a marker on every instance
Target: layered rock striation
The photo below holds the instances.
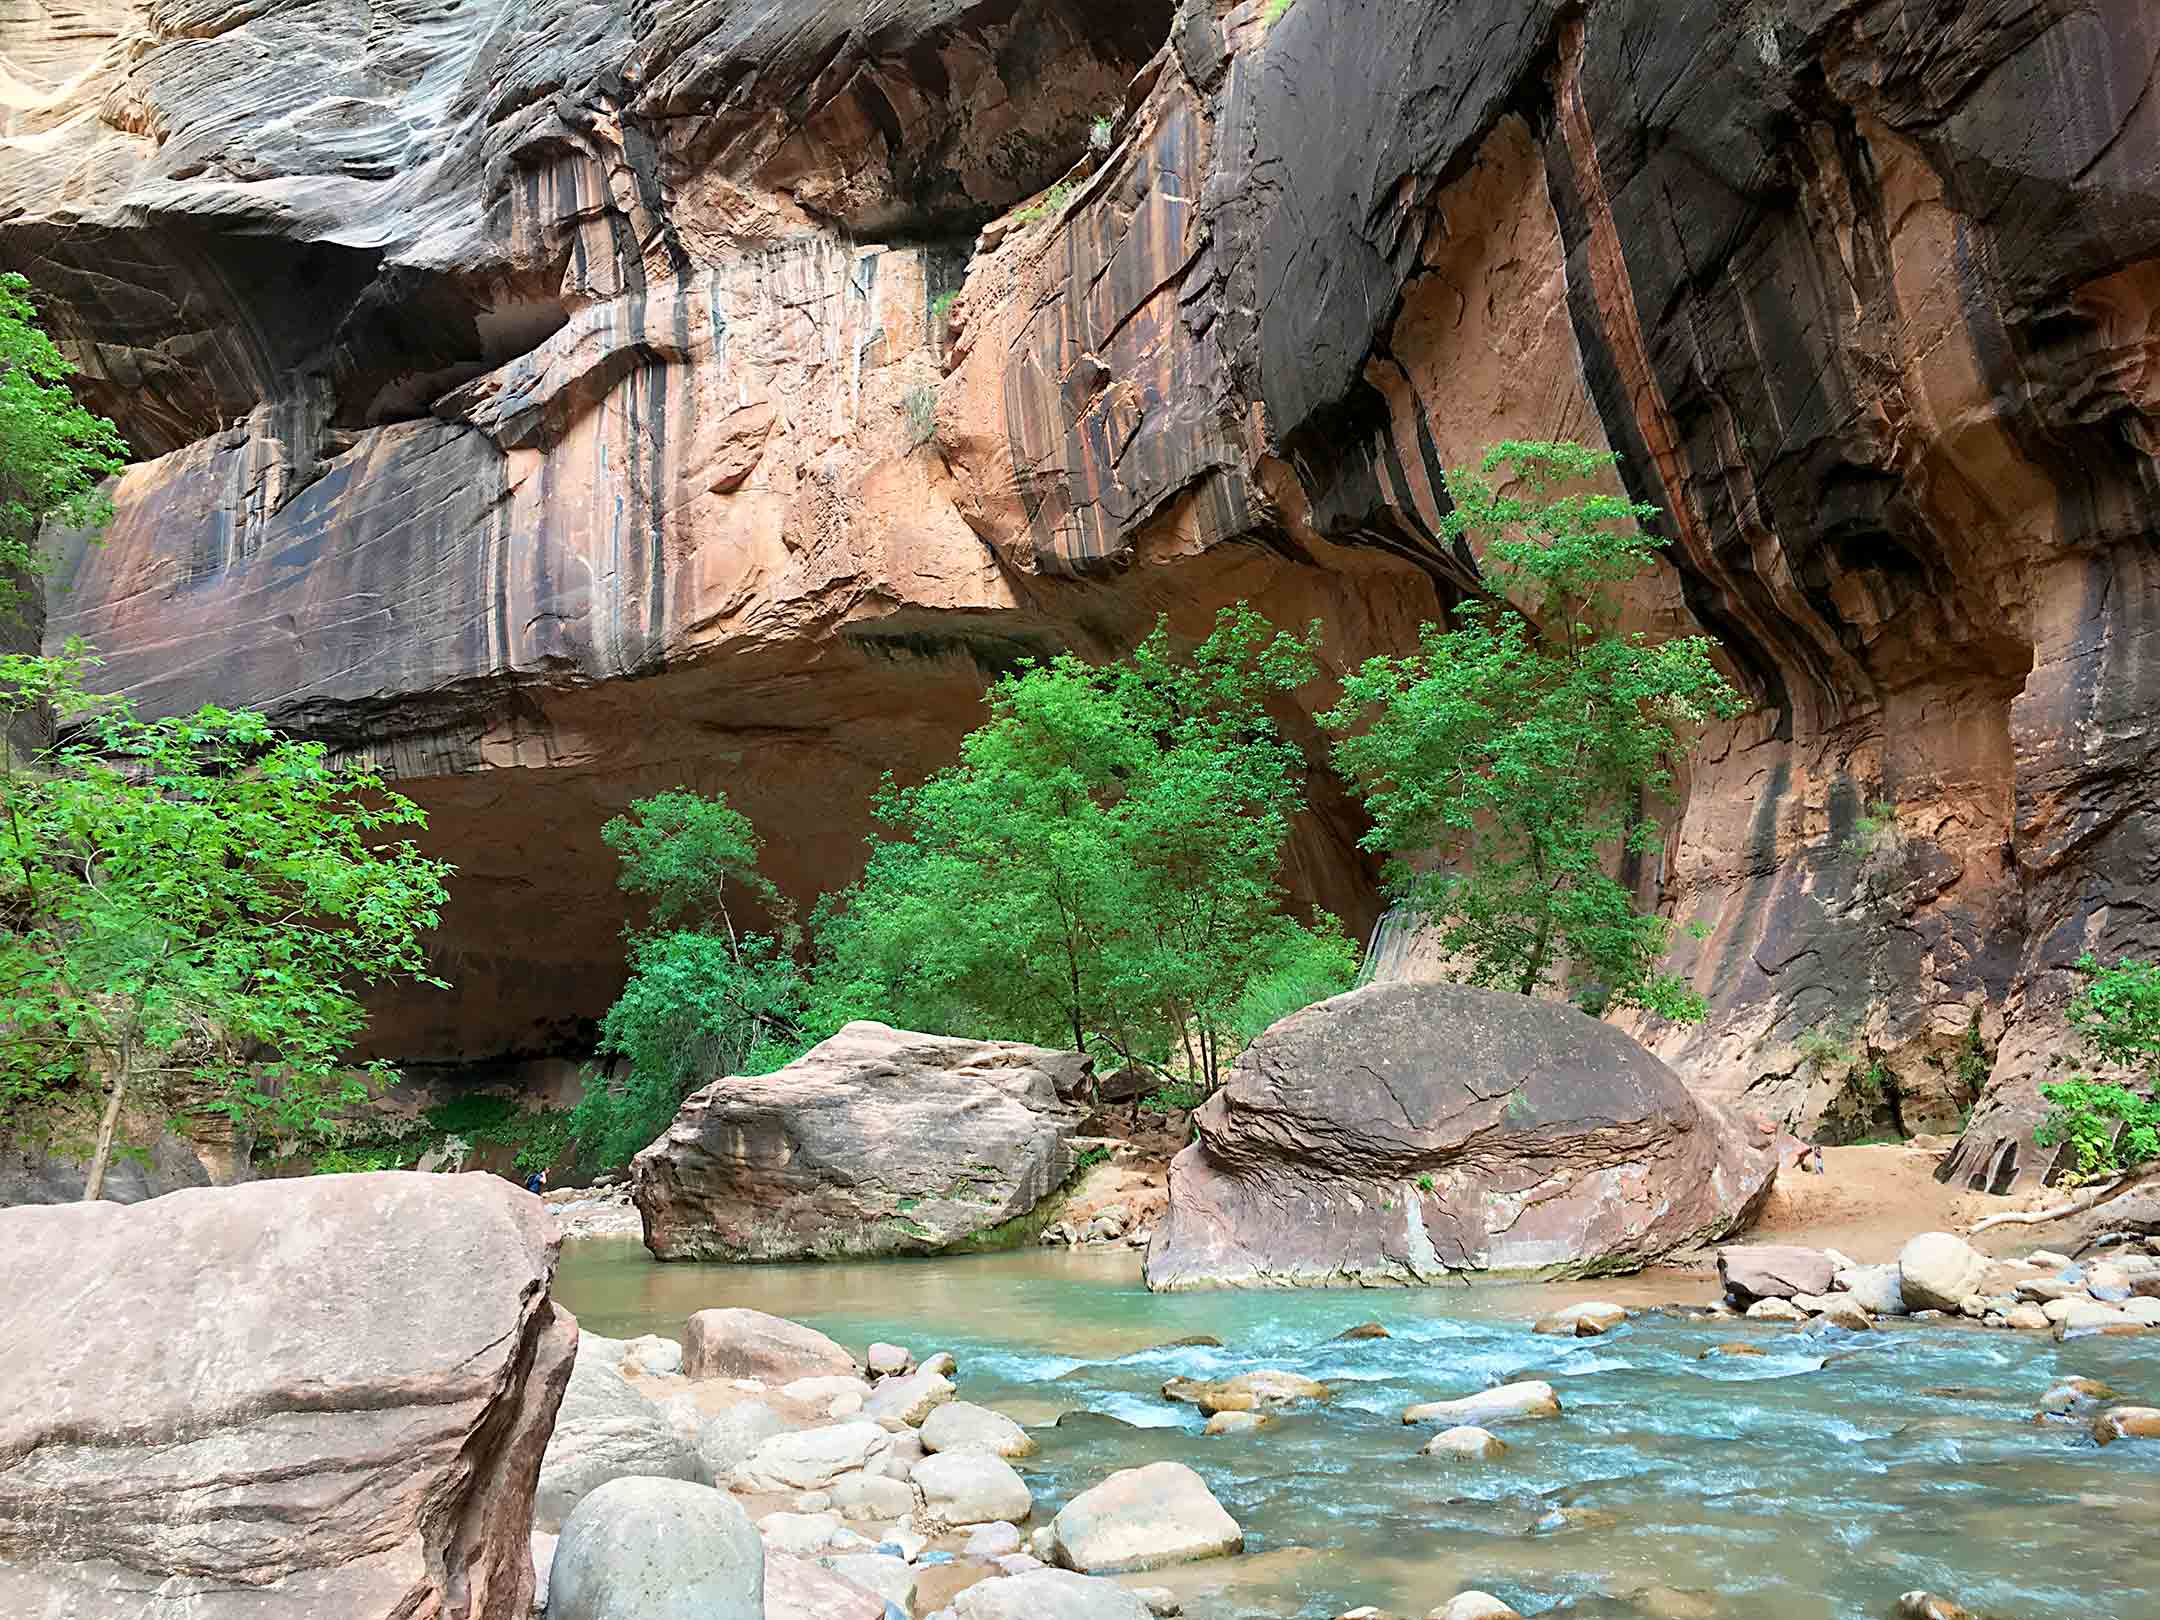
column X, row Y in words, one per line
column 290, row 1399
column 877, row 1141
column 557, row 408
column 1408, row 1133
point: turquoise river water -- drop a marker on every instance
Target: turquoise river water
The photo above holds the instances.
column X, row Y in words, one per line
column 1815, row 1482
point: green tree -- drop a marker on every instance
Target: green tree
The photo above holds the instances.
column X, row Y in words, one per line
column 2112, row 1127
column 53, row 453
column 705, row 997
column 1525, row 746
column 1102, row 866
column 195, row 900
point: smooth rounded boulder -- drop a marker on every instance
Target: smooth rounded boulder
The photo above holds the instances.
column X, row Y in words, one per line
column 972, row 1487
column 1421, row 1131
column 811, row 1459
column 1939, row 1272
column 1474, row 1606
column 291, row 1399
column 1048, row 1594
column 739, row 1343
column 658, row 1549
column 1141, row 1519
column 1530, row 1398
column 605, row 1430
column 960, row 1423
column 1467, row 1442
column 728, row 1438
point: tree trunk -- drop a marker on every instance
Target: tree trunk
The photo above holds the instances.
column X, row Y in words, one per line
column 94, row 1188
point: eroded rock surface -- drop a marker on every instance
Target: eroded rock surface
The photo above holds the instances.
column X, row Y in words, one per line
column 290, row 1399
column 1404, row 1133
column 492, row 362
column 876, row 1141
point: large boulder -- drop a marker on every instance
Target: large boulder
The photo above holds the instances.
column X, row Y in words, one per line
column 290, row 1399
column 1752, row 1271
column 811, row 1459
column 604, row 1430
column 871, row 1143
column 658, row 1549
column 728, row 1437
column 960, row 1424
column 1405, row 1132
column 877, row 1141
column 740, row 1343
column 1938, row 1271
column 1143, row 1518
column 970, row 1486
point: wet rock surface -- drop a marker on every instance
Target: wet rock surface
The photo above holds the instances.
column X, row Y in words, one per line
column 877, row 1141
column 286, row 1399
column 1409, row 1132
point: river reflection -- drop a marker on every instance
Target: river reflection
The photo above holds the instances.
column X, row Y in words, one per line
column 1814, row 1482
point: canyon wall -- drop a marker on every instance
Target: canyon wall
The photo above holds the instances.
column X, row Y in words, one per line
column 558, row 402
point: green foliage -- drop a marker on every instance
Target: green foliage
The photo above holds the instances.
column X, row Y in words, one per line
column 1101, row 868
column 1312, row 966
column 1049, row 203
column 704, row 998
column 1526, row 745
column 2111, row 1126
column 1101, row 133
column 1822, row 1050
column 1425, row 1183
column 1174, row 1097
column 940, row 312
column 351, row 1161
column 53, row 453
column 1974, row 1063
column 1875, row 1080
column 194, row 904
column 1088, row 1158
column 1876, row 827
column 1275, row 10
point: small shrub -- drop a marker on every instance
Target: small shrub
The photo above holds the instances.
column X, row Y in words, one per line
column 1088, row 1159
column 1173, row 1097
column 1045, row 205
column 1100, row 134
column 1425, row 1183
column 1875, row 1080
column 940, row 309
column 1876, row 827
column 1274, row 12
column 2111, row 1127
column 1822, row 1050
column 921, row 403
column 350, row 1161
column 1974, row 1064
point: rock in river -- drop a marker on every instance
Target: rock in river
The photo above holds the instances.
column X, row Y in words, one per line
column 2127, row 1423
column 321, row 1396
column 1752, row 1271
column 1403, row 1132
column 1048, row 1594
column 738, row 1343
column 605, row 1430
column 1468, row 1442
column 1532, row 1398
column 1143, row 1518
column 1938, row 1272
column 959, row 1424
column 1247, row 1392
column 972, row 1487
column 658, row 1549
column 876, row 1141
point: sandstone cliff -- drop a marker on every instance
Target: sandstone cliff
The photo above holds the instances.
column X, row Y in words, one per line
column 559, row 401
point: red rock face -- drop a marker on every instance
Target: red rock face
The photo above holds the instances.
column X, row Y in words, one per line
column 575, row 414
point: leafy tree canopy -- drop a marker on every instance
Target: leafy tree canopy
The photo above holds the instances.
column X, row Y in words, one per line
column 193, row 904
column 1525, row 746
column 704, row 998
column 1103, row 865
column 53, row 453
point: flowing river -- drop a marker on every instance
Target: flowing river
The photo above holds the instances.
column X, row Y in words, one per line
column 1815, row 1482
